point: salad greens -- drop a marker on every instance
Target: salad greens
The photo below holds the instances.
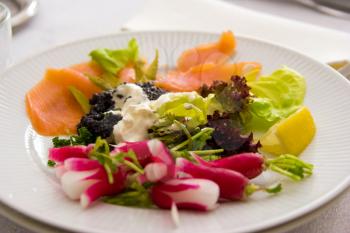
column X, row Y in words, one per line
column 136, row 195
column 276, row 96
column 146, row 73
column 84, row 137
column 113, row 61
column 195, row 149
column 233, row 97
column 189, row 106
column 102, row 153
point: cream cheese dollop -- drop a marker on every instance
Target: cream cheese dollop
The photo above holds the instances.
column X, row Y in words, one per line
column 137, row 114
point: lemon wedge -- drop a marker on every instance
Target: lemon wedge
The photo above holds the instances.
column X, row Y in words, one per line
column 291, row 135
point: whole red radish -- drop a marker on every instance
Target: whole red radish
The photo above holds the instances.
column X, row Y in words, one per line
column 232, row 184
column 248, row 164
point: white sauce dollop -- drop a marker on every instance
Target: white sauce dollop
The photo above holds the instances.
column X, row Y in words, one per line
column 138, row 111
column 138, row 117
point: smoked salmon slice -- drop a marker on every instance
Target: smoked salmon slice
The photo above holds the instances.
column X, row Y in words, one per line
column 51, row 107
column 127, row 74
column 90, row 68
column 218, row 52
column 197, row 76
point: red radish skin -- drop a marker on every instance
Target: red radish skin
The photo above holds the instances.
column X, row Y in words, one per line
column 232, row 184
column 161, row 154
column 60, row 154
column 250, row 165
column 194, row 194
column 154, row 156
column 141, row 150
column 86, row 179
column 155, row 171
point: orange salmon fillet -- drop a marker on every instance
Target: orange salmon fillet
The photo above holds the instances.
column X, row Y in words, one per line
column 197, row 76
column 90, row 68
column 50, row 106
column 218, row 52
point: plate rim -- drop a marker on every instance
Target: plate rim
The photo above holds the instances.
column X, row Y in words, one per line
column 268, row 224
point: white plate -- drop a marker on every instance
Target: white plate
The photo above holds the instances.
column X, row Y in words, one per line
column 27, row 186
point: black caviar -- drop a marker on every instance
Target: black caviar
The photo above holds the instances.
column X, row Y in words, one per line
column 99, row 124
column 151, row 90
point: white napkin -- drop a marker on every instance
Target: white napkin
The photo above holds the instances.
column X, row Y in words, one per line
column 215, row 16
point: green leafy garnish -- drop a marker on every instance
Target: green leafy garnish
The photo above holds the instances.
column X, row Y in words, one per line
column 113, row 61
column 145, row 73
column 211, row 157
column 274, row 189
column 80, row 98
column 201, row 136
column 60, row 142
column 84, row 137
column 136, row 195
column 152, row 69
column 290, row 166
column 101, row 153
column 180, row 116
column 51, row 163
column 252, row 188
column 276, row 97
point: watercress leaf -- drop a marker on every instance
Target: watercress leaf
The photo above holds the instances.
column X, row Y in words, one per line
column 51, row 163
column 84, row 137
column 60, row 142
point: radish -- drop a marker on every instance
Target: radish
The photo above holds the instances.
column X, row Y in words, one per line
column 156, row 171
column 232, row 184
column 248, row 164
column 162, row 167
column 139, row 148
column 153, row 155
column 253, row 164
column 86, row 179
column 196, row 194
column 60, row 154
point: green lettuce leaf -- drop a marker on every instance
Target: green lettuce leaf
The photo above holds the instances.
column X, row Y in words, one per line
column 152, row 69
column 188, row 105
column 113, row 61
column 276, row 96
column 82, row 100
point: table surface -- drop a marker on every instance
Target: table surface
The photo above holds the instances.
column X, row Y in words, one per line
column 58, row 22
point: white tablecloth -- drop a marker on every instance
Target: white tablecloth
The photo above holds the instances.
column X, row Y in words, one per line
column 61, row 21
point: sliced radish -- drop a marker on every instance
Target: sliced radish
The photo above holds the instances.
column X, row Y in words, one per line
column 196, row 194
